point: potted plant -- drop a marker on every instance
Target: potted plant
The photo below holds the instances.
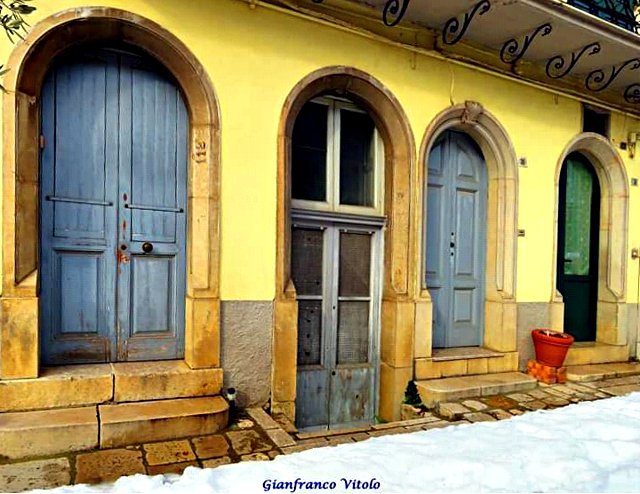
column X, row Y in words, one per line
column 551, row 346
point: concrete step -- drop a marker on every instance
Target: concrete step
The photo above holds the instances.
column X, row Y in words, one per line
column 596, row 372
column 145, row 381
column 47, row 432
column 434, row 391
column 596, row 353
column 134, row 423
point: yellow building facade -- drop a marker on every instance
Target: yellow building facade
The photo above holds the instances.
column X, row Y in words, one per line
column 245, row 71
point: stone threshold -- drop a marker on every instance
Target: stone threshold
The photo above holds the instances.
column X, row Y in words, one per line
column 446, row 354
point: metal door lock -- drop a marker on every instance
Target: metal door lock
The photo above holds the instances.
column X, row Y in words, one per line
column 635, row 253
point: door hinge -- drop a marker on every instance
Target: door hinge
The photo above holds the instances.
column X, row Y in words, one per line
column 41, row 141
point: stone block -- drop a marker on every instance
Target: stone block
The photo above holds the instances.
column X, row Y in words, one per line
column 47, row 432
column 262, row 418
column 168, row 452
column 245, row 442
column 176, row 468
column 225, row 460
column 255, row 457
column 132, row 423
column 202, row 332
column 19, row 338
column 475, row 405
column 39, row 474
column 144, row 381
column 58, row 387
column 427, row 369
column 479, row 417
column 214, row 446
column 280, row 438
column 451, row 411
column 478, row 366
column 393, row 382
column 105, row 466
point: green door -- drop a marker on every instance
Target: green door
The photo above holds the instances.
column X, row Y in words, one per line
column 578, row 221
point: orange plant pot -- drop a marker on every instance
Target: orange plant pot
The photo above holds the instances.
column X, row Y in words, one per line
column 551, row 346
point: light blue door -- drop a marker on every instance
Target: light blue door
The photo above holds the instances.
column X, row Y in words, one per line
column 455, row 240
column 113, row 200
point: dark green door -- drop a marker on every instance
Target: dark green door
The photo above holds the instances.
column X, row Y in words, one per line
column 578, row 221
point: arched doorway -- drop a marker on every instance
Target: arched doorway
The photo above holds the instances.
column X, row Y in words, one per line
column 398, row 305
column 578, row 246
column 30, row 62
column 456, row 210
column 336, row 237
column 112, row 208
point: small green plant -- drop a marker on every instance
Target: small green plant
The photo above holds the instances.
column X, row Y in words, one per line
column 12, row 14
column 411, row 395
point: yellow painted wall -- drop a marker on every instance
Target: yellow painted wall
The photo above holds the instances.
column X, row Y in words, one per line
column 254, row 58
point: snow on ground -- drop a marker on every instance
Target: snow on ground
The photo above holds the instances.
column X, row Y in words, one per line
column 588, row 447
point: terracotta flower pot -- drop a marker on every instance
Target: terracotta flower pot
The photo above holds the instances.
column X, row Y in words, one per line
column 551, row 346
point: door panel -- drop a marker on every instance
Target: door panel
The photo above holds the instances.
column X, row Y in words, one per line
column 111, row 135
column 578, row 246
column 455, row 240
column 308, row 247
column 153, row 200
column 332, row 269
column 77, row 194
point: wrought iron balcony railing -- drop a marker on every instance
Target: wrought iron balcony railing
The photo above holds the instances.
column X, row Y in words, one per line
column 623, row 13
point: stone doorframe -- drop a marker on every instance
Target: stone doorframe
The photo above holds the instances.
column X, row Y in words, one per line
column 611, row 327
column 400, row 310
column 29, row 62
column 500, row 310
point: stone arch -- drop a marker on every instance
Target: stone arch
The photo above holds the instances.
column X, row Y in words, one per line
column 500, row 272
column 614, row 219
column 30, row 61
column 398, row 311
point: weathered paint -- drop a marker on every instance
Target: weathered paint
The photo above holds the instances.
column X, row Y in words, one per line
column 113, row 124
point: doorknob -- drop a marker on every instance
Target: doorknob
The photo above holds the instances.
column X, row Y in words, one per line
column 147, row 247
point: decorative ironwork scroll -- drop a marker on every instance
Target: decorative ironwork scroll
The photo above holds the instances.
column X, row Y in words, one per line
column 558, row 67
column 632, row 94
column 454, row 31
column 597, row 79
column 392, row 13
column 511, row 51
column 618, row 12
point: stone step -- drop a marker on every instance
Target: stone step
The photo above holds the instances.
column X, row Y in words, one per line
column 145, row 381
column 434, row 391
column 133, row 423
column 93, row 384
column 58, row 387
column 465, row 362
column 595, row 353
column 47, row 432
column 596, row 372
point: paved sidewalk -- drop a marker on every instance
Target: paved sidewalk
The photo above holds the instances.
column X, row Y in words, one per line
column 255, row 436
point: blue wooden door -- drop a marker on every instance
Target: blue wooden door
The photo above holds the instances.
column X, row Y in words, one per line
column 113, row 200
column 455, row 240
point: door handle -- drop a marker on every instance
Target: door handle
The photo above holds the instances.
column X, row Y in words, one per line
column 147, row 247
column 567, row 260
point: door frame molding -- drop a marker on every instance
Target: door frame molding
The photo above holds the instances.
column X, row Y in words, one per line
column 29, row 61
column 400, row 308
column 611, row 327
column 500, row 310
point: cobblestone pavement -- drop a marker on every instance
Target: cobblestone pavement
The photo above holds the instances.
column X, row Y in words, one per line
column 255, row 436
